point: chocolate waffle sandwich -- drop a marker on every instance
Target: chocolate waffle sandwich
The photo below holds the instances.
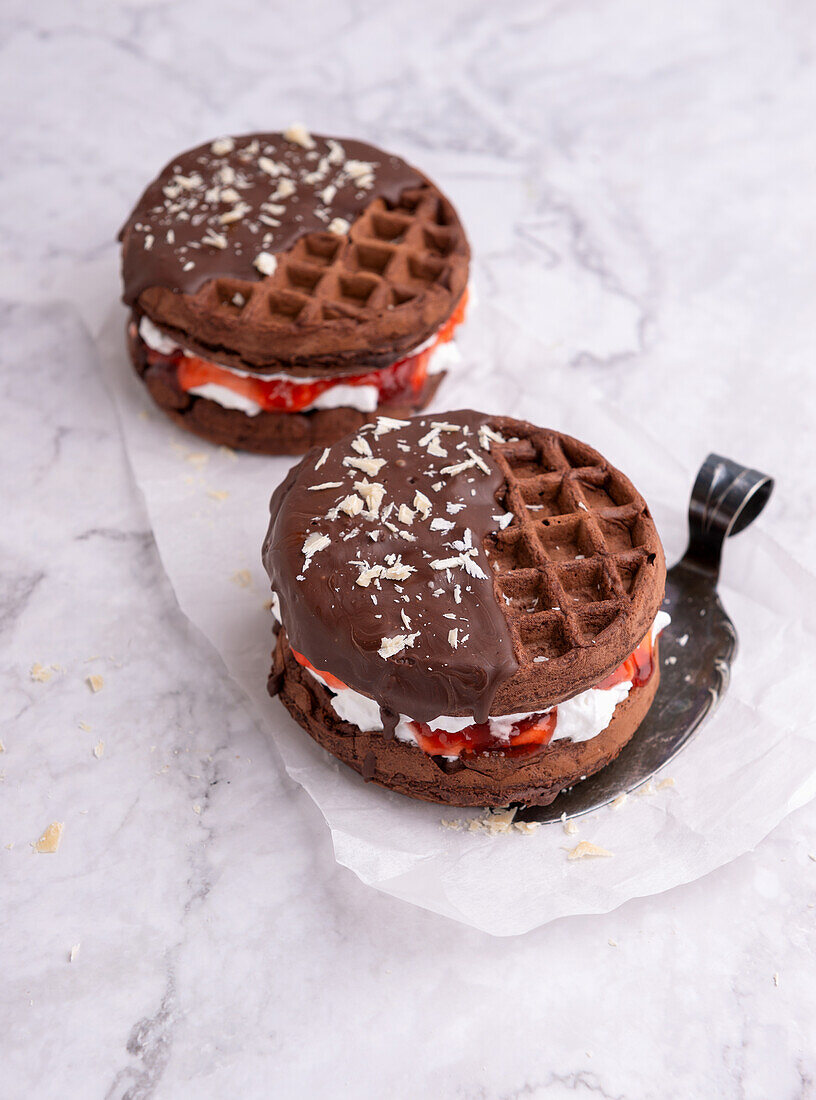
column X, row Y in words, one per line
column 286, row 288
column 468, row 606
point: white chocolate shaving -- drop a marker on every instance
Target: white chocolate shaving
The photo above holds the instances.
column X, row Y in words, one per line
column 444, row 525
column 352, row 505
column 464, row 561
column 388, row 424
column 221, row 146
column 234, row 215
column 214, row 240
column 399, row 571
column 587, row 850
column 284, row 190
column 372, row 493
column 458, row 468
column 266, row 263
column 361, row 446
column 312, row 545
column 299, row 135
column 370, row 466
column 389, row 647
column 337, row 153
column 368, row 574
column 480, row 462
column 422, row 504
column 486, row 434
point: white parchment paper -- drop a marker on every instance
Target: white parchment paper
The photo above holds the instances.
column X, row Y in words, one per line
column 751, row 763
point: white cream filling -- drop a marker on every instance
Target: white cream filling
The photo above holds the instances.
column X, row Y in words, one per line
column 352, row 706
column 445, row 357
column 363, row 398
column 274, row 606
column 662, row 620
column 226, row 398
column 155, row 338
column 580, row 718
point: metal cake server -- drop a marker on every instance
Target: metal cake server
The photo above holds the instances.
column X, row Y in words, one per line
column 696, row 649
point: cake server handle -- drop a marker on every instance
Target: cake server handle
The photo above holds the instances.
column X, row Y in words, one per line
column 726, row 497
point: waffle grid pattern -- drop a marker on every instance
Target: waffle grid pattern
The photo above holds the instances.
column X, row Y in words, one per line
column 391, row 256
column 569, row 568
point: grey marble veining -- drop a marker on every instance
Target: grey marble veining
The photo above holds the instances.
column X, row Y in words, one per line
column 638, row 183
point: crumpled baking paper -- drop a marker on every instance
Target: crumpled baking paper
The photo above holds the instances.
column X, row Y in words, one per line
column 751, row 763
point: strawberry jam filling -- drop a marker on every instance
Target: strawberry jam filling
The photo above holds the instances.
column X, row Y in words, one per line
column 528, row 733
column 638, row 667
column 402, row 380
column 329, row 680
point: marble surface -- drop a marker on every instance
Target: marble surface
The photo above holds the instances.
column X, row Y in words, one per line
column 637, row 179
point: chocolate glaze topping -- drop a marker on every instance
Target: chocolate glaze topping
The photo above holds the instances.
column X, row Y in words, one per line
column 375, row 549
column 212, row 211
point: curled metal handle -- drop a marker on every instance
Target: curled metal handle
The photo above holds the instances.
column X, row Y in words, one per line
column 726, row 497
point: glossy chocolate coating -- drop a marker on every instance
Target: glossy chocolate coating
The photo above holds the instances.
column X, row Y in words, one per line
column 335, row 623
column 165, row 238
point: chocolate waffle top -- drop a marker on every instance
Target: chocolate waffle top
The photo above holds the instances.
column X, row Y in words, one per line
column 463, row 565
column 272, row 248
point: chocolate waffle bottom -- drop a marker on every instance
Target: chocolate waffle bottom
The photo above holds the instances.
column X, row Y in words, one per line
column 270, row 433
column 483, row 780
